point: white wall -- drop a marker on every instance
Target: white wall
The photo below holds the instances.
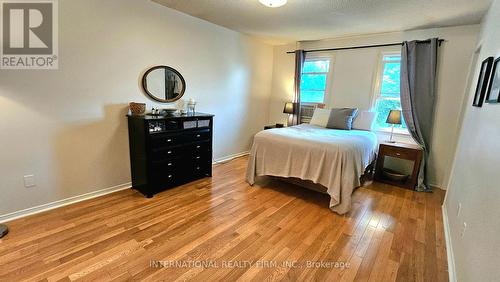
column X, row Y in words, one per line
column 474, row 180
column 355, row 72
column 282, row 82
column 68, row 126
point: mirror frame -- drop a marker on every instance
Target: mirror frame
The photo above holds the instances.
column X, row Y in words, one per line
column 144, row 84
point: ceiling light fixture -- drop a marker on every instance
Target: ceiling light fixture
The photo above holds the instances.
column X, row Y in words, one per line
column 273, row 3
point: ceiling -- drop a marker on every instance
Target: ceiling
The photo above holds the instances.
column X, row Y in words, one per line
column 319, row 19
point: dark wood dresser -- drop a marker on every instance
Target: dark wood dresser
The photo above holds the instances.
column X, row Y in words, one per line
column 167, row 151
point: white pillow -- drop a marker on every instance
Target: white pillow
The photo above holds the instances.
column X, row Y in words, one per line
column 320, row 117
column 364, row 120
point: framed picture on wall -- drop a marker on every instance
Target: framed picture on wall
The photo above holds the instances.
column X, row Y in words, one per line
column 493, row 95
column 482, row 82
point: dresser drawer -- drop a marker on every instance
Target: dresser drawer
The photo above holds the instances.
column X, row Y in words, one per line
column 166, row 140
column 167, row 153
column 166, row 172
column 164, row 179
column 166, row 164
column 205, row 156
column 199, row 147
column 198, row 167
column 204, row 123
column 158, row 126
column 197, row 135
column 201, row 169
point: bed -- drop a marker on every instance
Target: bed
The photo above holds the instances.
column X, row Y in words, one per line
column 333, row 158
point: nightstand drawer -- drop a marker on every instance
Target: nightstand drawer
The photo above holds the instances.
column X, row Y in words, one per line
column 398, row 153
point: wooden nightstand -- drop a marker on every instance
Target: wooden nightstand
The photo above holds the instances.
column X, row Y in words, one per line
column 403, row 151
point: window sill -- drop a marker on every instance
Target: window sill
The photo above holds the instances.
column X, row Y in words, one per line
column 400, row 132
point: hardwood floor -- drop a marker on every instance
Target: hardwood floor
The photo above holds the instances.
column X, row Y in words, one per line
column 216, row 227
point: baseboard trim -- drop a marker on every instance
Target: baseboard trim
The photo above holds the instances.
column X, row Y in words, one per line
column 434, row 186
column 63, row 202
column 230, row 157
column 90, row 195
column 449, row 249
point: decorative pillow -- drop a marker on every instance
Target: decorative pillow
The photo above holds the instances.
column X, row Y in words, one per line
column 364, row 120
column 342, row 118
column 320, row 117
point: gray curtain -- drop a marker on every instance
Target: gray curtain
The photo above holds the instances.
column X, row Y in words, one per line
column 418, row 79
column 299, row 63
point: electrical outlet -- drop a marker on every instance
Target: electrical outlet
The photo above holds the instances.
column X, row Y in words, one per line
column 464, row 227
column 29, row 181
column 459, row 208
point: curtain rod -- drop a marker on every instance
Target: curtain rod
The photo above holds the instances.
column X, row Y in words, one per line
column 365, row 46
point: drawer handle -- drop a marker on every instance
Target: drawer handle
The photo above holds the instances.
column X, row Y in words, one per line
column 398, row 154
column 169, row 152
column 197, row 147
column 169, row 164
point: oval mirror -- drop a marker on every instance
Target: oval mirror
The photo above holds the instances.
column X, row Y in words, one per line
column 163, row 84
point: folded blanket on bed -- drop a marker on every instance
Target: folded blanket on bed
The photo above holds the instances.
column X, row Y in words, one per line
column 333, row 158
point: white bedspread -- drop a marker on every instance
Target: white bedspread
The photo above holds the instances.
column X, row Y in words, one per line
column 333, row 158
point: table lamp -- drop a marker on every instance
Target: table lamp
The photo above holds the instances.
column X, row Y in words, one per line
column 393, row 118
column 288, row 109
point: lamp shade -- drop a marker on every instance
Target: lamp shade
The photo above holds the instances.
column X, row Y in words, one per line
column 394, row 117
column 288, row 108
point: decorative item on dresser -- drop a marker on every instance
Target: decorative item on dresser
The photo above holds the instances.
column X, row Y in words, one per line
column 191, row 106
column 137, row 108
column 411, row 152
column 170, row 150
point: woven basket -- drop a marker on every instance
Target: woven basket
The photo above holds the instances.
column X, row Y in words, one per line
column 137, row 108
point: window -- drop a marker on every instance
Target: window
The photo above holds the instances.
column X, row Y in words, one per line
column 388, row 96
column 313, row 81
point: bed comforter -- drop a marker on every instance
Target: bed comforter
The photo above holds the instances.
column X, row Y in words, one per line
column 333, row 158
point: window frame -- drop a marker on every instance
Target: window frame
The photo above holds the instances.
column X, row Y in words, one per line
column 378, row 87
column 321, row 57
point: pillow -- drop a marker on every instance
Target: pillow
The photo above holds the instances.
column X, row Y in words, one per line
column 364, row 120
column 320, row 117
column 342, row 118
